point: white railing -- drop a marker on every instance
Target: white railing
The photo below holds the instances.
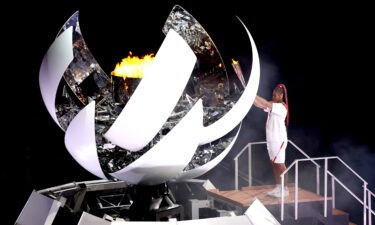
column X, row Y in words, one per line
column 248, row 147
column 365, row 201
column 370, row 211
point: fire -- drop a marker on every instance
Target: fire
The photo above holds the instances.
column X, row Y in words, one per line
column 234, row 62
column 133, row 66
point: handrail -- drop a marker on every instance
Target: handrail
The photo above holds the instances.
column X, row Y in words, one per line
column 264, row 142
column 345, row 187
column 236, row 170
column 370, row 211
column 302, row 152
column 309, row 159
column 354, row 196
column 248, row 147
column 296, row 184
column 366, row 202
column 347, row 166
column 370, row 193
column 367, row 194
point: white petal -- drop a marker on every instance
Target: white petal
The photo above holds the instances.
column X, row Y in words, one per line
column 170, row 155
column 54, row 64
column 232, row 118
column 155, row 97
column 80, row 140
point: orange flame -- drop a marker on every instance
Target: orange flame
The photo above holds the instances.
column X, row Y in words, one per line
column 234, row 62
column 133, row 66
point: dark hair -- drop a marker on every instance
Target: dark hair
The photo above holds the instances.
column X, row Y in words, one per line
column 280, row 88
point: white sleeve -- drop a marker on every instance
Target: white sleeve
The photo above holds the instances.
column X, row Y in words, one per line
column 279, row 109
column 267, row 109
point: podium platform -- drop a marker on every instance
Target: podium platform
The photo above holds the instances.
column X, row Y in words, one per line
column 244, row 197
column 310, row 204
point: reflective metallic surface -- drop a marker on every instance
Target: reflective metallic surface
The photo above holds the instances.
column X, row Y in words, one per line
column 156, row 95
column 167, row 159
column 239, row 110
column 205, row 153
column 209, row 80
column 85, row 82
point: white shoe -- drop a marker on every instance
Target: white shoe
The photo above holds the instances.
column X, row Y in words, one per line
column 276, row 189
column 277, row 194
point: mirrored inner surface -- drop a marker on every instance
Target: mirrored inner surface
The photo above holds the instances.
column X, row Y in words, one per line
column 84, row 81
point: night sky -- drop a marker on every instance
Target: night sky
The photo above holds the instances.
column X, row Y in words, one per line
column 322, row 53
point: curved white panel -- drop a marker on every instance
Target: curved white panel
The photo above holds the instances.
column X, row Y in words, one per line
column 80, row 140
column 54, row 64
column 196, row 172
column 168, row 157
column 232, row 118
column 156, row 95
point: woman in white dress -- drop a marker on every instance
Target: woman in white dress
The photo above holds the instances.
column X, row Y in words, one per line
column 276, row 133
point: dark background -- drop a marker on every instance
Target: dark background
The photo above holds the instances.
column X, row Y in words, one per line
column 322, row 53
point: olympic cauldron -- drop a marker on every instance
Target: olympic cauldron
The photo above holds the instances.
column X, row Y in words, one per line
column 177, row 122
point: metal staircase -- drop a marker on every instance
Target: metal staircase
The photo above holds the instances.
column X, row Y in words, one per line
column 324, row 210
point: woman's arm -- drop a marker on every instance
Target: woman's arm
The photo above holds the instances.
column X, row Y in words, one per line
column 262, row 103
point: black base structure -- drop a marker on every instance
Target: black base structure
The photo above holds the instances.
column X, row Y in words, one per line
column 111, row 200
column 152, row 203
column 114, row 199
column 105, row 202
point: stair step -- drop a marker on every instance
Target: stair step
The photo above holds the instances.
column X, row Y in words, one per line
column 336, row 212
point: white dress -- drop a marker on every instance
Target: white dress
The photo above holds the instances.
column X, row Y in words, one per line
column 276, row 134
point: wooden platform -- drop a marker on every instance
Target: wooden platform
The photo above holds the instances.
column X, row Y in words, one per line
column 244, row 197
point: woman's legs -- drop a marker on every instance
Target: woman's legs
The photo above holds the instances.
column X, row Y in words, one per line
column 278, row 169
column 276, row 151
